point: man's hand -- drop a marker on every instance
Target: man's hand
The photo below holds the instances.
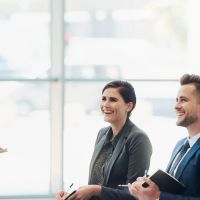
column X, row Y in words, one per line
column 151, row 192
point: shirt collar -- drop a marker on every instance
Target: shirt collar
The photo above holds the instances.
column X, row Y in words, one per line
column 193, row 139
column 109, row 138
column 116, row 138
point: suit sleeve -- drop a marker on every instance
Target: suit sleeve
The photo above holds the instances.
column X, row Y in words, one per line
column 114, row 194
column 139, row 151
column 168, row 196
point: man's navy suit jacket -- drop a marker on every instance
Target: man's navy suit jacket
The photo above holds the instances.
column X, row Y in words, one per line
column 188, row 173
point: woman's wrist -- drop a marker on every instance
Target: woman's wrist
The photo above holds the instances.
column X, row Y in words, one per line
column 96, row 190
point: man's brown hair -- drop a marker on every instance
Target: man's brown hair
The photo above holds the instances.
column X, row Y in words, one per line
column 192, row 79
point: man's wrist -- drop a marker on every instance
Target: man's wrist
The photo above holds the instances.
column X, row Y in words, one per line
column 158, row 198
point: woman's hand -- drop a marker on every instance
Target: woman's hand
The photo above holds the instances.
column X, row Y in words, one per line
column 2, row 150
column 85, row 192
column 61, row 195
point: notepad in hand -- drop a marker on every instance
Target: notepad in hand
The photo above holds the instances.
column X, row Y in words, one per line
column 166, row 182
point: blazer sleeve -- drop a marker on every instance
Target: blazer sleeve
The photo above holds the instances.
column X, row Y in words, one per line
column 139, row 151
column 168, row 196
column 114, row 194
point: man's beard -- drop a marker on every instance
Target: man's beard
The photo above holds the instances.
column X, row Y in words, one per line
column 186, row 121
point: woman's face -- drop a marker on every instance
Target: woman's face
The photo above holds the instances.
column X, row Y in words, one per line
column 113, row 106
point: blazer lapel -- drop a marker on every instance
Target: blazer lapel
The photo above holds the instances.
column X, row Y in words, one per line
column 98, row 148
column 124, row 134
column 187, row 158
column 175, row 152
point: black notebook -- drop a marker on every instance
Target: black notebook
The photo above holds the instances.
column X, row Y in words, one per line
column 166, row 182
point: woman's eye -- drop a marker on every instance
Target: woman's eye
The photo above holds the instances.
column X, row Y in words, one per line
column 103, row 99
column 113, row 99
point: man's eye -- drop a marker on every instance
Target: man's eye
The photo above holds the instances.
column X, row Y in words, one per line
column 182, row 100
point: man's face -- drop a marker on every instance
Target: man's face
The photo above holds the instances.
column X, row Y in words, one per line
column 187, row 107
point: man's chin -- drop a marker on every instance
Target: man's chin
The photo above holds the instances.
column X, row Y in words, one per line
column 180, row 123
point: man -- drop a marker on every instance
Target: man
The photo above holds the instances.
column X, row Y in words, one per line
column 188, row 170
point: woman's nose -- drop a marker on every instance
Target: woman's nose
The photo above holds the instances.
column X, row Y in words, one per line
column 106, row 103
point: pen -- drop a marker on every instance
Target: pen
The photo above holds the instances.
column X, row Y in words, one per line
column 145, row 173
column 123, row 185
column 145, row 185
column 70, row 194
column 69, row 187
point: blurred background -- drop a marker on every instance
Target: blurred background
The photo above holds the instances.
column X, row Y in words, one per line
column 55, row 58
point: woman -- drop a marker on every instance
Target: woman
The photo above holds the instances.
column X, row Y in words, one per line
column 122, row 151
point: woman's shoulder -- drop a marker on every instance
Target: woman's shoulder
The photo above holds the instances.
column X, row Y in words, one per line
column 103, row 131
column 136, row 134
column 135, row 130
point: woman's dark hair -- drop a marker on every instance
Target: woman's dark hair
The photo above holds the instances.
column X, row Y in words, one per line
column 126, row 90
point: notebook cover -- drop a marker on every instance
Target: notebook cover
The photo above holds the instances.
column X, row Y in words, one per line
column 166, row 182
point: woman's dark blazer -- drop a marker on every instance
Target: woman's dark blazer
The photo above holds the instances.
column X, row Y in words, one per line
column 130, row 158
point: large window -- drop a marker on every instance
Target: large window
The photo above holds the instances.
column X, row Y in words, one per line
column 24, row 98
column 55, row 58
column 24, row 130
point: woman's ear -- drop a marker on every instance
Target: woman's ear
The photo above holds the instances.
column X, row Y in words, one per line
column 130, row 106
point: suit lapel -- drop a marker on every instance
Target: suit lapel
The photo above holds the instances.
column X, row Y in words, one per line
column 175, row 152
column 187, row 158
column 98, row 148
column 122, row 140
